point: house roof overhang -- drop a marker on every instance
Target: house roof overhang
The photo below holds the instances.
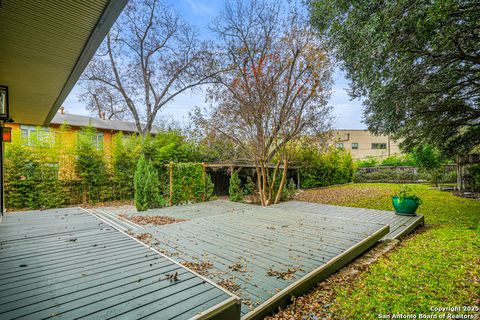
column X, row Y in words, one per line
column 45, row 46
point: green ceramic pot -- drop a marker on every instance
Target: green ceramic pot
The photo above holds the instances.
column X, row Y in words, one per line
column 406, row 207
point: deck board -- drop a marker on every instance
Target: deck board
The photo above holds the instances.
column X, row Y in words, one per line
column 399, row 225
column 67, row 264
column 261, row 240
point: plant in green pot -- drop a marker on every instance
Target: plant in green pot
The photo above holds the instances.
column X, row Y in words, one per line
column 405, row 202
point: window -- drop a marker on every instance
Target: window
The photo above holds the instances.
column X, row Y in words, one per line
column 354, row 145
column 30, row 134
column 97, row 140
column 339, row 145
column 379, row 146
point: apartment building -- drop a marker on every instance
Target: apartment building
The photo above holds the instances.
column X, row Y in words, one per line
column 363, row 143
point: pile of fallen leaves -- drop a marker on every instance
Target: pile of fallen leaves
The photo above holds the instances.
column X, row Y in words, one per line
column 285, row 275
column 316, row 304
column 155, row 220
column 237, row 267
column 229, row 285
column 199, row 267
column 144, row 237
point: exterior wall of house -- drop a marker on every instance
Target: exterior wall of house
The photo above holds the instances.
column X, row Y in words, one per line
column 66, row 169
column 70, row 135
column 363, row 144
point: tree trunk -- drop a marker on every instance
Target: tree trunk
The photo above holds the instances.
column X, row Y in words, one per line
column 282, row 182
column 272, row 185
column 264, row 185
column 171, row 183
column 259, row 183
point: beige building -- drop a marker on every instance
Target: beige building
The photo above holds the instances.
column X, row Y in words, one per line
column 363, row 143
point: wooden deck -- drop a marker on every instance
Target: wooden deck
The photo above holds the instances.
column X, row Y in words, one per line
column 399, row 225
column 263, row 255
column 67, row 264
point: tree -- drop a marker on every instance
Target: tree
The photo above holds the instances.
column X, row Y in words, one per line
column 275, row 88
column 150, row 57
column 147, row 190
column 429, row 159
column 416, row 63
column 235, row 191
column 102, row 102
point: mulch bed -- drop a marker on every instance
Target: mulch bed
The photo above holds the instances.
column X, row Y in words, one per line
column 155, row 220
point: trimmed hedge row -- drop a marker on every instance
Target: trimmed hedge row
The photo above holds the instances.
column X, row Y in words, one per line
column 399, row 176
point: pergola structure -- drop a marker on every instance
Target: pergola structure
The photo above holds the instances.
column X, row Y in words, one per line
column 45, row 46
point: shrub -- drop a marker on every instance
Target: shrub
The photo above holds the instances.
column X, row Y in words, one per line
column 209, row 188
column 473, row 177
column 31, row 174
column 429, row 160
column 167, row 147
column 367, row 162
column 190, row 183
column 398, row 161
column 335, row 166
column 147, row 192
column 391, row 161
column 125, row 154
column 400, row 176
column 289, row 191
column 393, row 176
column 49, row 171
column 249, row 187
column 90, row 166
column 235, row 189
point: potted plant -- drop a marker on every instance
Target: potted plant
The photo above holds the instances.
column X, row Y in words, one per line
column 405, row 203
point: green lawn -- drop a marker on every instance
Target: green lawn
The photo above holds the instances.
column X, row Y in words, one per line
column 438, row 267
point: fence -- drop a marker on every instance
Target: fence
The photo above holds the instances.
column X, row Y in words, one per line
column 401, row 174
column 448, row 168
column 180, row 183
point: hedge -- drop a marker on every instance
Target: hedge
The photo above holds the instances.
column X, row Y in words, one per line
column 400, row 176
column 319, row 169
column 50, row 171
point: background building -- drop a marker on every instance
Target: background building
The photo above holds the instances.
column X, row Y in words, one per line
column 363, row 143
column 105, row 128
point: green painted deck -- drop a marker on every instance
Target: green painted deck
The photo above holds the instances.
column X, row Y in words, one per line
column 67, row 264
column 399, row 225
column 263, row 255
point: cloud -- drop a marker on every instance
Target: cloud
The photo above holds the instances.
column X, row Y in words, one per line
column 200, row 8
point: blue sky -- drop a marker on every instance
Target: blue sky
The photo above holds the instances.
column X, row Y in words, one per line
column 347, row 114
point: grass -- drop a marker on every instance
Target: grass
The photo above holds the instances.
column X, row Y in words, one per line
column 439, row 267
